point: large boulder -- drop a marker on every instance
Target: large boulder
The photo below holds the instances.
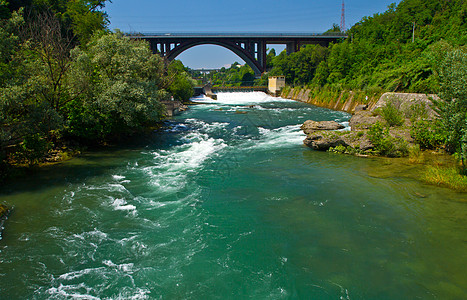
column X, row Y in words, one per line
column 311, row 126
column 323, row 140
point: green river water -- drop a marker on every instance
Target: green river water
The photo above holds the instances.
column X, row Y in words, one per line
column 226, row 203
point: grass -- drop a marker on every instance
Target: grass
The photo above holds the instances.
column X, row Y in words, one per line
column 446, row 176
column 416, row 155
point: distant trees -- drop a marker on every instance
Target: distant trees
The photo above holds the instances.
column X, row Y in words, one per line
column 235, row 75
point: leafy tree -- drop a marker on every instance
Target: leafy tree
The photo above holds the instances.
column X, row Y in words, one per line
column 453, row 107
column 180, row 83
column 122, row 81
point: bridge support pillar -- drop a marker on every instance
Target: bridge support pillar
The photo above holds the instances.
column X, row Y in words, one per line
column 292, row 47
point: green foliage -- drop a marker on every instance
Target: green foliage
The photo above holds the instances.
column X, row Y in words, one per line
column 32, row 149
column 392, row 115
column 380, row 53
column 235, row 75
column 453, row 106
column 181, row 85
column 117, row 87
column 299, row 68
column 384, row 143
column 428, row 134
column 346, row 150
column 81, row 18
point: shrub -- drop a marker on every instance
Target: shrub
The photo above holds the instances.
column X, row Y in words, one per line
column 32, row 149
column 416, row 154
column 416, row 112
column 391, row 114
column 385, row 144
column 428, row 134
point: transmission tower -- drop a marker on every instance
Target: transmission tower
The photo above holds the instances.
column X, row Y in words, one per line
column 343, row 29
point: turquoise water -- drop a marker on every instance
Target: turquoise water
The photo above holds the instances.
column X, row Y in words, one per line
column 226, row 203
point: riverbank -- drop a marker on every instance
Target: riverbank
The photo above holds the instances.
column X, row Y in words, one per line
column 347, row 101
column 394, row 125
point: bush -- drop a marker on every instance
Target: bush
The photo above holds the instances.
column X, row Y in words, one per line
column 32, row 149
column 385, row 144
column 416, row 112
column 427, row 134
column 391, row 114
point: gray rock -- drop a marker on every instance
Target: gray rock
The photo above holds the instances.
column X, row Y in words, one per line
column 311, row 126
column 323, row 140
column 404, row 102
column 363, row 120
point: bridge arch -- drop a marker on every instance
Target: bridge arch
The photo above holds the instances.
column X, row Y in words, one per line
column 235, row 48
column 251, row 47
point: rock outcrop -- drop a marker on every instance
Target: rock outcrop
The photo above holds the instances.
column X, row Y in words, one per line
column 324, row 140
column 363, row 120
column 405, row 101
column 311, row 126
column 321, row 135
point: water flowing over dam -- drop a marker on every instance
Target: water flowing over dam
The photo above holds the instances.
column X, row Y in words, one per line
column 226, row 202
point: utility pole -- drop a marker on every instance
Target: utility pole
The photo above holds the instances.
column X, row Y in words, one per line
column 413, row 32
column 343, row 17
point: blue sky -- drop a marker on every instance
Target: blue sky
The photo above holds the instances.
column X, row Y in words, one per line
column 234, row 16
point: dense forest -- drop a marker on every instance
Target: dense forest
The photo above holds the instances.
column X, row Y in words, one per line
column 66, row 79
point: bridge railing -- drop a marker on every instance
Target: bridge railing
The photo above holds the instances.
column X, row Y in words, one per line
column 236, row 34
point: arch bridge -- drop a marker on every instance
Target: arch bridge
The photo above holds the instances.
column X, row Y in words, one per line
column 251, row 47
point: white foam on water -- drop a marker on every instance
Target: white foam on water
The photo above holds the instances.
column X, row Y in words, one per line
column 78, row 274
column 346, row 126
column 118, row 177
column 250, row 98
column 171, row 167
column 71, row 292
column 287, row 136
column 121, row 204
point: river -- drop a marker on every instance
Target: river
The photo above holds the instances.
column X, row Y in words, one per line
column 225, row 202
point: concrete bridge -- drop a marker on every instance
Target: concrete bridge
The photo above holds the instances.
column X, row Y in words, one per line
column 251, row 47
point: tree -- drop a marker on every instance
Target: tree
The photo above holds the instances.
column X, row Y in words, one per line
column 453, row 106
column 122, row 79
column 180, row 84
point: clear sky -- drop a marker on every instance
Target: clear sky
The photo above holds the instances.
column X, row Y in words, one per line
column 167, row 16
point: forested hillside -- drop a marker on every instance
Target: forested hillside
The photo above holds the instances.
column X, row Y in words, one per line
column 398, row 50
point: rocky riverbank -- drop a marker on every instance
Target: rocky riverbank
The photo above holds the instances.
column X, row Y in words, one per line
column 372, row 128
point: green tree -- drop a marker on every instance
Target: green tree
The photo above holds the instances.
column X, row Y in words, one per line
column 453, row 106
column 122, row 81
column 180, row 82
